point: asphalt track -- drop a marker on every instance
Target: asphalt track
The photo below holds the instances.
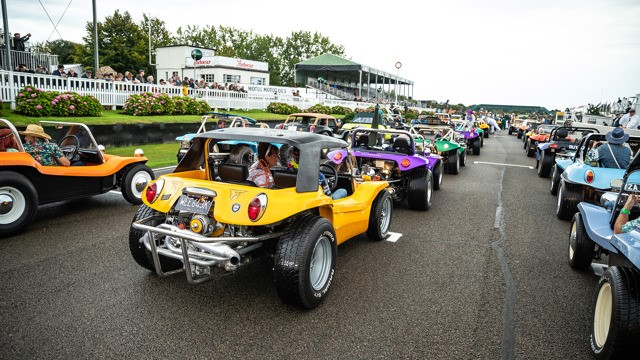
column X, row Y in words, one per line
column 482, row 275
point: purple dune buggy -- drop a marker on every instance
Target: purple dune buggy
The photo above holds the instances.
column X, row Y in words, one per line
column 411, row 174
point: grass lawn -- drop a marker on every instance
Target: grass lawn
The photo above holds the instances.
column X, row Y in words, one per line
column 119, row 117
column 159, row 155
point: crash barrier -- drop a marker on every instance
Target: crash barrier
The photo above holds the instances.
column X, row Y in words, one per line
column 114, row 94
column 142, row 134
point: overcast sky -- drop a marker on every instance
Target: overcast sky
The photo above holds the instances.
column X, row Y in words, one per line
column 552, row 53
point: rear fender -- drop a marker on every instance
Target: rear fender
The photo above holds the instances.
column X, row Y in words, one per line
column 602, row 176
column 563, row 163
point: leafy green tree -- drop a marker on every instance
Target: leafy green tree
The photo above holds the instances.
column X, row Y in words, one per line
column 122, row 44
column 303, row 45
column 281, row 54
column 68, row 52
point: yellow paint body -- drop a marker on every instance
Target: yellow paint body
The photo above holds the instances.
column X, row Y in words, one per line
column 349, row 216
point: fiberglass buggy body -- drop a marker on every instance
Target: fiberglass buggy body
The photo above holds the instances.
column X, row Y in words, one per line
column 201, row 219
column 615, row 329
column 25, row 184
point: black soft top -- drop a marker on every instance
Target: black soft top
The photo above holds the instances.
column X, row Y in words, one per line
column 310, row 146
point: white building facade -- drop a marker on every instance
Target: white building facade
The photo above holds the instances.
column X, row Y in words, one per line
column 176, row 60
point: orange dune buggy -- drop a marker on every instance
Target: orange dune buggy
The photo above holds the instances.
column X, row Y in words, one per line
column 25, row 184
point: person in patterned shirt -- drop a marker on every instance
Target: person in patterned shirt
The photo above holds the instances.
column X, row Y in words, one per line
column 37, row 144
column 260, row 171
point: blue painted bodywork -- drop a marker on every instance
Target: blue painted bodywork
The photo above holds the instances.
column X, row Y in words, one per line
column 597, row 225
column 576, row 174
column 596, row 222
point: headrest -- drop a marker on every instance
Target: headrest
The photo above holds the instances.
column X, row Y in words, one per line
column 401, row 142
column 562, row 133
column 233, row 172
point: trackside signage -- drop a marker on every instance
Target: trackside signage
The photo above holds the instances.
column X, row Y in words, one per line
column 241, row 64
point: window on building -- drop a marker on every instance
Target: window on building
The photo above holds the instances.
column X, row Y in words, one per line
column 209, row 78
column 175, row 73
column 231, row 78
column 257, row 81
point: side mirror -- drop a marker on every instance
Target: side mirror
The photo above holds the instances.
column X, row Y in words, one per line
column 608, row 199
column 616, row 184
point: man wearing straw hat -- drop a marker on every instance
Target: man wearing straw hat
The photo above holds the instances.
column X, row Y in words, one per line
column 37, row 144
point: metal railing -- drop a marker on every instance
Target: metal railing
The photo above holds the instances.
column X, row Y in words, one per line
column 115, row 94
column 31, row 59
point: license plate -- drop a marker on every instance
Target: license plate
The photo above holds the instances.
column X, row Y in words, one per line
column 632, row 187
column 194, row 205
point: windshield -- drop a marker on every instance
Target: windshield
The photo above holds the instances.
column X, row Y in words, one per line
column 70, row 134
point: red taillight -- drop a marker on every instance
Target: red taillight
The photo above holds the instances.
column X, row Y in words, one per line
column 257, row 207
column 553, row 146
column 589, row 176
column 312, row 128
column 152, row 191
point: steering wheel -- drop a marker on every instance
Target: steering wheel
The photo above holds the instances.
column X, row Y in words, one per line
column 331, row 175
column 70, row 151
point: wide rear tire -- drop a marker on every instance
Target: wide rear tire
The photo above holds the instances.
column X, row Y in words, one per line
column 139, row 252
column 18, row 203
column 305, row 262
column 463, row 158
column 555, row 180
column 420, row 194
column 134, row 182
column 545, row 165
column 581, row 247
column 380, row 216
column 475, row 146
column 437, row 176
column 453, row 162
column 530, row 152
column 567, row 204
column 616, row 315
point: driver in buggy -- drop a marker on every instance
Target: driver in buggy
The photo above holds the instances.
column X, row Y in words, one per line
column 37, row 145
column 292, row 165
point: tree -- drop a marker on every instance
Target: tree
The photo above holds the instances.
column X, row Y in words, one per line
column 303, row 45
column 122, row 44
column 68, row 52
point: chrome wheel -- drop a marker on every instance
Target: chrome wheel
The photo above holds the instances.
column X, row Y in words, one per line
column 320, row 265
column 12, row 204
column 139, row 182
column 385, row 215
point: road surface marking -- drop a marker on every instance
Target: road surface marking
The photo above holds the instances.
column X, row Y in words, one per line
column 393, row 237
column 491, row 163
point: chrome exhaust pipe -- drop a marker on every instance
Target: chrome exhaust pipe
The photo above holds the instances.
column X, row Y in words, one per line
column 218, row 252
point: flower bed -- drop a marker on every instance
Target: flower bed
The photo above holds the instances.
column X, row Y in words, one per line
column 162, row 104
column 35, row 102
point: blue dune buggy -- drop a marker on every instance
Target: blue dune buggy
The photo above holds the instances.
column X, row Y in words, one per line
column 583, row 179
column 615, row 331
column 563, row 143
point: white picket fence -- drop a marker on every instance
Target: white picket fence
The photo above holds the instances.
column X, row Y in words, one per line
column 114, row 94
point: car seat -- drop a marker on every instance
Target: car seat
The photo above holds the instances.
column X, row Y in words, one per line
column 401, row 145
column 234, row 173
column 362, row 141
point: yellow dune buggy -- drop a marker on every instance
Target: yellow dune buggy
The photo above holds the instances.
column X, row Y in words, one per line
column 206, row 217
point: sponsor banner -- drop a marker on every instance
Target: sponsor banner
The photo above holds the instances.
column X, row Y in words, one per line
column 240, row 64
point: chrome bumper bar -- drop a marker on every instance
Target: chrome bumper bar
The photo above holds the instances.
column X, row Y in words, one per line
column 213, row 251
